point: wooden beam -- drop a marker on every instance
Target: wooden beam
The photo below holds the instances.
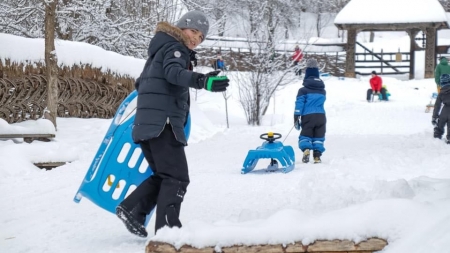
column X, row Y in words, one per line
column 28, row 138
column 12, row 136
column 350, row 55
column 322, row 246
column 49, row 165
column 392, row 26
column 430, row 52
column 412, row 52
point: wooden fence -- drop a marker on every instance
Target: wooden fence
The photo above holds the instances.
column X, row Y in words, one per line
column 386, row 63
column 25, row 98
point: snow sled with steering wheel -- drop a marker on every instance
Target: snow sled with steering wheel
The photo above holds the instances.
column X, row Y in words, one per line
column 273, row 150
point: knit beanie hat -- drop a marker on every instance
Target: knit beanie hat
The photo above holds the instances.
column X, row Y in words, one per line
column 311, row 63
column 312, row 68
column 194, row 20
column 445, row 80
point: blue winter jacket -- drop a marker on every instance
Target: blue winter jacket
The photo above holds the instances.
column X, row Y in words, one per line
column 311, row 97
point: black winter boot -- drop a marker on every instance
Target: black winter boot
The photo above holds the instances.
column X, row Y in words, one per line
column 437, row 133
column 316, row 155
column 168, row 208
column 133, row 222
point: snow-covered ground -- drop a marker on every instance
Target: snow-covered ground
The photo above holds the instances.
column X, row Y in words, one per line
column 382, row 175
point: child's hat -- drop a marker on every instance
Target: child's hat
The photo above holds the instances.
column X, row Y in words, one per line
column 311, row 63
column 194, row 20
column 445, row 80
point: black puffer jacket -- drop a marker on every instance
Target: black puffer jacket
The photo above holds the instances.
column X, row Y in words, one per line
column 443, row 98
column 163, row 87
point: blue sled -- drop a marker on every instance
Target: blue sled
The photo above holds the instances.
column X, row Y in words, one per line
column 273, row 150
column 119, row 165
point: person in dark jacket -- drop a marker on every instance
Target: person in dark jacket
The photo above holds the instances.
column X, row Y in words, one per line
column 441, row 112
column 161, row 114
column 309, row 114
column 441, row 69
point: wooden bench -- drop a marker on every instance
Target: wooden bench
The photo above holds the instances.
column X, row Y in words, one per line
column 49, row 165
column 28, row 138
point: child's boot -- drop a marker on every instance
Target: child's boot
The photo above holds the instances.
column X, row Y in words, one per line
column 305, row 158
column 133, row 222
column 437, row 133
column 316, row 156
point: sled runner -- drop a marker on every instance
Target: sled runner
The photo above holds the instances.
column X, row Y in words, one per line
column 273, row 150
column 119, row 165
column 430, row 105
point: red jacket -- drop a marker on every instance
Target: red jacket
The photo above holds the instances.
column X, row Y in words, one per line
column 297, row 56
column 376, row 83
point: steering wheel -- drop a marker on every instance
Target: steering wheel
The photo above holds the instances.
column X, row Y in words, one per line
column 270, row 137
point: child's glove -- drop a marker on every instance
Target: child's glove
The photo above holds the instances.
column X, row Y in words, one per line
column 297, row 122
column 434, row 121
column 214, row 83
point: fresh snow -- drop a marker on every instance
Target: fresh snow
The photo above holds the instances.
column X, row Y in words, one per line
column 391, row 11
column 69, row 53
column 383, row 174
column 40, row 126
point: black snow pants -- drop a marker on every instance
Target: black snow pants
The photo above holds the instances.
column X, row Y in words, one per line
column 382, row 91
column 444, row 118
column 167, row 186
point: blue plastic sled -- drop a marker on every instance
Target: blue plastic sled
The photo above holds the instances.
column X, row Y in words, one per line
column 273, row 150
column 119, row 165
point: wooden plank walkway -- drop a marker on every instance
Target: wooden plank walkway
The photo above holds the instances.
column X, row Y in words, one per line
column 321, row 246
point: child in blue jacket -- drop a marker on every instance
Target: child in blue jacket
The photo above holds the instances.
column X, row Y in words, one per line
column 309, row 114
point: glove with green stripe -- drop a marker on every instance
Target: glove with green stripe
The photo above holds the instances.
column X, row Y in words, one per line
column 214, row 83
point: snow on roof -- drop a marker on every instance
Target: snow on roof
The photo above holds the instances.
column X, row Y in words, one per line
column 391, row 11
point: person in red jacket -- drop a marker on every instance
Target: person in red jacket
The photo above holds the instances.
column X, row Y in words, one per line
column 376, row 84
column 297, row 57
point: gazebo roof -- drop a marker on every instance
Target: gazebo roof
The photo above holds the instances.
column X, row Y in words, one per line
column 391, row 15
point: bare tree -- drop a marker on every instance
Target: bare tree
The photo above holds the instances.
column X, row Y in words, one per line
column 50, row 112
column 123, row 26
column 22, row 17
column 445, row 4
column 226, row 95
column 258, row 85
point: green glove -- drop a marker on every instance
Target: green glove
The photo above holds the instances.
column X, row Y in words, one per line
column 214, row 83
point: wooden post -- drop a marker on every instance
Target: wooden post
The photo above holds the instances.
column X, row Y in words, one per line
column 430, row 52
column 51, row 61
column 412, row 52
column 350, row 56
column 381, row 55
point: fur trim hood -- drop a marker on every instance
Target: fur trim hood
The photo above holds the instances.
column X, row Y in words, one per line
column 173, row 31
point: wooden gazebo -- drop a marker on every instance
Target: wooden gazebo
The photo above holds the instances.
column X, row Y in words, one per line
column 427, row 16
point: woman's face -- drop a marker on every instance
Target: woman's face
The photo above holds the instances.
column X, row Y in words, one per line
column 195, row 37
